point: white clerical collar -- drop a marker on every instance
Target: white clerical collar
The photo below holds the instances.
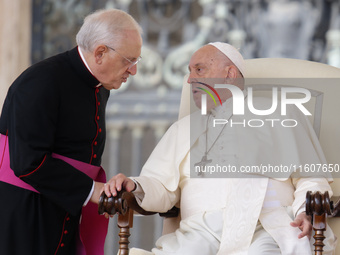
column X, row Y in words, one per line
column 83, row 59
column 227, row 105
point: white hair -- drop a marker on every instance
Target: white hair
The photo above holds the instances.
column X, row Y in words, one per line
column 105, row 27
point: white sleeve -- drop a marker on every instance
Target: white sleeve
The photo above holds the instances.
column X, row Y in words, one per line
column 302, row 185
column 138, row 192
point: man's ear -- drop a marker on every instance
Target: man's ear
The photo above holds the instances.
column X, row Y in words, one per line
column 99, row 53
column 231, row 72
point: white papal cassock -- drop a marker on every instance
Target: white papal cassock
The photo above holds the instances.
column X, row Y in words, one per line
column 247, row 199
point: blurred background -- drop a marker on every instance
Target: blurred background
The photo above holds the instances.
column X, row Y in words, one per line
column 140, row 112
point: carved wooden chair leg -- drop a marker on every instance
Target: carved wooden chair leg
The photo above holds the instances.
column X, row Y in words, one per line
column 119, row 205
column 125, row 222
column 125, row 204
column 319, row 226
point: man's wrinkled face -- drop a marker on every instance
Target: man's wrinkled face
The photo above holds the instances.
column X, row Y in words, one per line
column 116, row 67
column 207, row 68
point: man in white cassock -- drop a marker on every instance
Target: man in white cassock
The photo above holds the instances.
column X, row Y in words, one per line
column 235, row 212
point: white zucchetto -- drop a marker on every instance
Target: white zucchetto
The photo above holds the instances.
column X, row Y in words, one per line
column 232, row 53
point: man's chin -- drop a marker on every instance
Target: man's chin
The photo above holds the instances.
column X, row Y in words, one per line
column 112, row 86
column 208, row 107
column 198, row 103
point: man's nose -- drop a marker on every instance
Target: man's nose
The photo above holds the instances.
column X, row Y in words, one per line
column 132, row 70
column 190, row 78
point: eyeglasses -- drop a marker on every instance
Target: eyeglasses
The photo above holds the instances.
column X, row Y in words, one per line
column 132, row 63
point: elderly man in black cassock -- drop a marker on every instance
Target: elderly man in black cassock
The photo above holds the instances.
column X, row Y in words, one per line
column 52, row 138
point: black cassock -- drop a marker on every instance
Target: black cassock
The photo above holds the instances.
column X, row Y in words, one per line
column 53, row 106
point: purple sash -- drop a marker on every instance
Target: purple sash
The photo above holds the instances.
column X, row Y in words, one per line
column 93, row 227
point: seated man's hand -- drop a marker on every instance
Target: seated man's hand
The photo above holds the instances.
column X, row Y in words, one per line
column 117, row 183
column 303, row 222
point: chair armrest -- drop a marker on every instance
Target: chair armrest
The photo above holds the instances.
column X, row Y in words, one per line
column 172, row 213
column 320, row 207
column 318, row 203
column 124, row 204
column 120, row 204
column 124, row 200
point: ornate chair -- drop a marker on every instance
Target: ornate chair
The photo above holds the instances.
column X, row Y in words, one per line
column 324, row 83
